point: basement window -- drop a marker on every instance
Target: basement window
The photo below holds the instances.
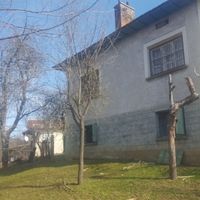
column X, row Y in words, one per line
column 162, row 117
column 91, row 134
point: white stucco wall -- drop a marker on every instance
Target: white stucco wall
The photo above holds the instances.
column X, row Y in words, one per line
column 58, row 143
column 123, row 69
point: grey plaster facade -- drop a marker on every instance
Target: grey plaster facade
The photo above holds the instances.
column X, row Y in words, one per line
column 127, row 124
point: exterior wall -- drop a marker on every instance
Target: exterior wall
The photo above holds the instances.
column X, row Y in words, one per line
column 58, row 144
column 127, row 123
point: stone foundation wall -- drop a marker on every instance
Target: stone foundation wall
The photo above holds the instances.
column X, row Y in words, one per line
column 133, row 136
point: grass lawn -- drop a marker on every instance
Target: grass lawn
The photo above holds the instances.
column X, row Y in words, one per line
column 56, row 180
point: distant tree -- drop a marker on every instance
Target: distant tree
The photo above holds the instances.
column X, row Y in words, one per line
column 20, row 66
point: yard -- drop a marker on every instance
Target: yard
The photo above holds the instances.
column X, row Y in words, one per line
column 56, row 180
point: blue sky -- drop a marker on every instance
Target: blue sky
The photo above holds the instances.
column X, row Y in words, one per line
column 52, row 46
column 102, row 14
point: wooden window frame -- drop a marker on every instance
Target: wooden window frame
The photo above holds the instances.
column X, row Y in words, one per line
column 170, row 70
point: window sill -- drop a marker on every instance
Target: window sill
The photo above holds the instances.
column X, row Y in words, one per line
column 180, row 137
column 167, row 72
column 91, row 144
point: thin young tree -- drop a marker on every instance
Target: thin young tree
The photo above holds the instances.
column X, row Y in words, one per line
column 19, row 70
column 82, row 88
column 174, row 108
column 83, row 78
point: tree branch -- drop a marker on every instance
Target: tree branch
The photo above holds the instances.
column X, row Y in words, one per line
column 193, row 95
column 51, row 27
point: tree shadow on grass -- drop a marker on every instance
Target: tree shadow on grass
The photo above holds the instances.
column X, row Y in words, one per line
column 15, row 168
column 127, row 178
column 58, row 161
column 50, row 186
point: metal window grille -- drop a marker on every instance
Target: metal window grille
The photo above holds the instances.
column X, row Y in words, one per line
column 167, row 56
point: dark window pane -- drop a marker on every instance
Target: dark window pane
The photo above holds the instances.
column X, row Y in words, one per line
column 180, row 125
column 163, row 123
column 163, row 120
column 88, row 134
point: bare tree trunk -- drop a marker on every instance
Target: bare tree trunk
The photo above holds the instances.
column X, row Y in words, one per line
column 81, row 151
column 52, row 147
column 32, row 155
column 5, row 155
column 172, row 132
column 172, row 145
column 0, row 149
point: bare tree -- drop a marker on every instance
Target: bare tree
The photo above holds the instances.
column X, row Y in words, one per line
column 20, row 68
column 174, row 107
column 19, row 31
column 83, row 88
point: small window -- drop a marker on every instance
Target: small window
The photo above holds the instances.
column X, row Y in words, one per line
column 90, row 134
column 90, row 84
column 180, row 124
column 162, row 23
column 163, row 122
column 167, row 56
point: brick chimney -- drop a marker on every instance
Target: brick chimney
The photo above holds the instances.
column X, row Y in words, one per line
column 124, row 14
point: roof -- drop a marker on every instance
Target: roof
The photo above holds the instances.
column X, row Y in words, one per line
column 165, row 9
column 152, row 16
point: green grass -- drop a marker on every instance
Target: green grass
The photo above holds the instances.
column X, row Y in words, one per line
column 56, row 180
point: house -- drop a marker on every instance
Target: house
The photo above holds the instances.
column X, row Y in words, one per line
column 48, row 138
column 132, row 125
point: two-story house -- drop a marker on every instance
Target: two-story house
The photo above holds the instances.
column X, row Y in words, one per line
column 133, row 123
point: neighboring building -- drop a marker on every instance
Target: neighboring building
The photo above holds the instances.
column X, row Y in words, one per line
column 132, row 124
column 48, row 137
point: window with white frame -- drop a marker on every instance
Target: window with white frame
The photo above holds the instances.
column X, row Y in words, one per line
column 167, row 56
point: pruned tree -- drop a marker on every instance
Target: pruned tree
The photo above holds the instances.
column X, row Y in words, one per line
column 19, row 69
column 174, row 108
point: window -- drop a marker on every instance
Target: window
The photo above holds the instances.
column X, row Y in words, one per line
column 163, row 120
column 90, row 84
column 90, row 134
column 167, row 56
column 162, row 123
column 162, row 23
column 180, row 125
